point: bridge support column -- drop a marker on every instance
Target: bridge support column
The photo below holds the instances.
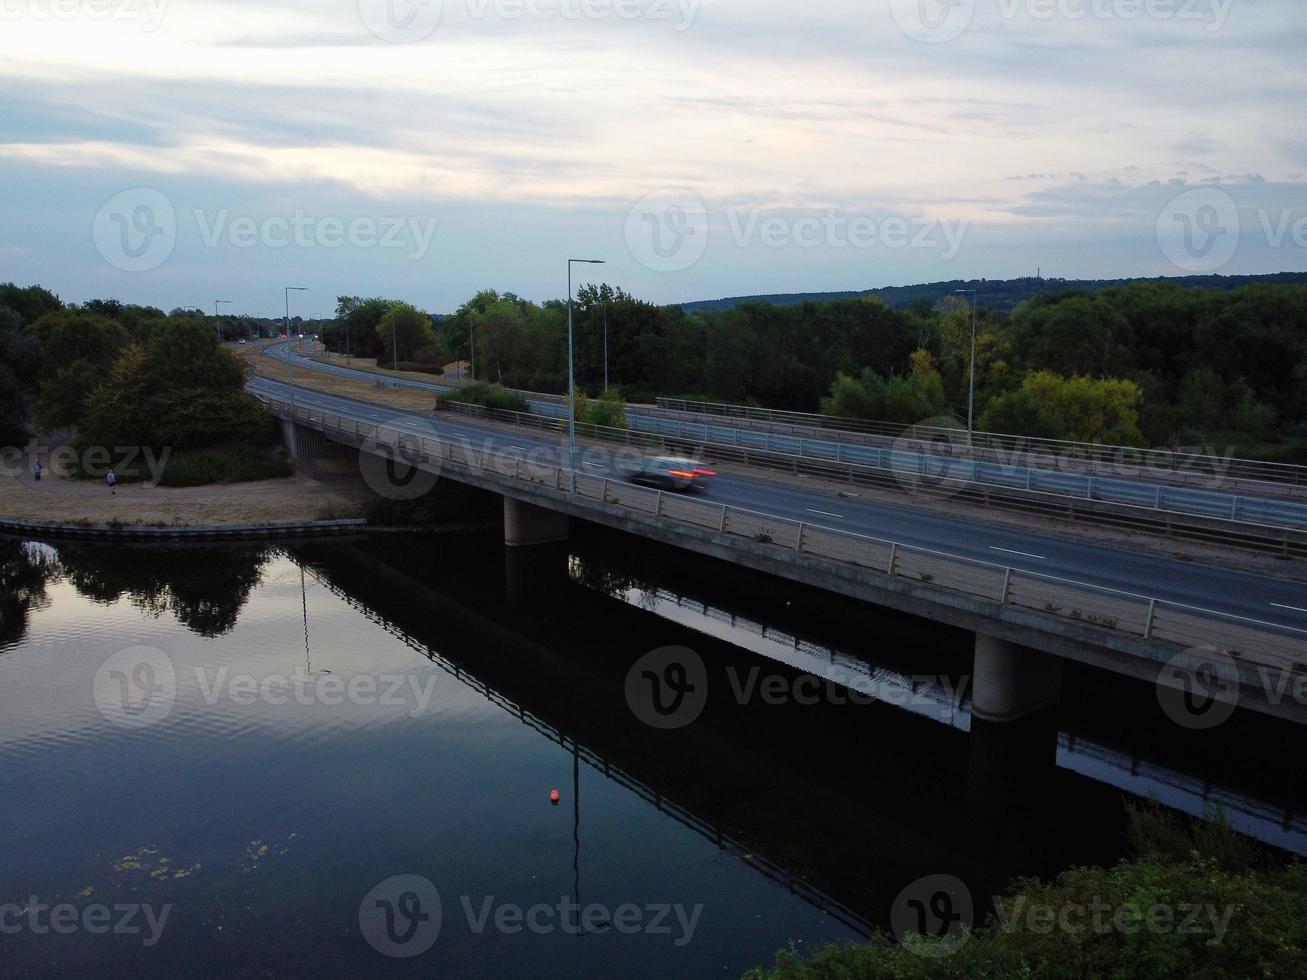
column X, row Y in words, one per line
column 526, row 525
column 1010, row 681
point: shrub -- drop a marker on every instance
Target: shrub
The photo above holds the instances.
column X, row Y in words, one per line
column 486, row 395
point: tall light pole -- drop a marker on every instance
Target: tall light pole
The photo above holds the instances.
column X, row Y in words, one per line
column 290, row 364
column 571, row 378
column 605, row 343
column 971, row 375
column 472, row 349
column 216, row 327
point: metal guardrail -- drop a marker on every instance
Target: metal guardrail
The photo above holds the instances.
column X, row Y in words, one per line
column 1101, row 609
column 1161, row 460
column 880, row 472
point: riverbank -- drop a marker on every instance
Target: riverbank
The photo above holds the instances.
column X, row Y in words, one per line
column 295, row 500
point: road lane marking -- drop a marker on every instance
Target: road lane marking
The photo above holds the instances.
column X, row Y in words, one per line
column 825, row 513
column 1008, row 551
column 1279, row 605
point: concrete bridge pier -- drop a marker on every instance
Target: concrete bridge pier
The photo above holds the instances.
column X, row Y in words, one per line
column 1009, row 682
column 526, row 525
column 314, row 453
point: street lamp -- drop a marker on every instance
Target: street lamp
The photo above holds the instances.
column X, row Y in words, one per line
column 290, row 364
column 571, row 379
column 218, row 329
column 605, row 343
column 971, row 375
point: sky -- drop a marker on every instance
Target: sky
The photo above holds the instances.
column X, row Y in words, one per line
column 182, row 152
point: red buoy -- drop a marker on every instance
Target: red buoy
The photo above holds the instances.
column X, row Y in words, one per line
column 555, row 796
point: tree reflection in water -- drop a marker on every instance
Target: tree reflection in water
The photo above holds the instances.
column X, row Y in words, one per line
column 26, row 567
column 204, row 587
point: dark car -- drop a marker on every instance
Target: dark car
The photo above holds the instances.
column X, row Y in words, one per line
column 669, row 473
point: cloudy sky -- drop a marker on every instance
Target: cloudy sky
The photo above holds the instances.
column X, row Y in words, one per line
column 174, row 152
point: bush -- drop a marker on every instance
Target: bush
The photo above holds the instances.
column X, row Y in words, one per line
column 486, row 395
column 1260, row 926
column 228, row 464
column 420, row 368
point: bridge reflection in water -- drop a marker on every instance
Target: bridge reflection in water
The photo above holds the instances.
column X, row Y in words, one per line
column 843, row 804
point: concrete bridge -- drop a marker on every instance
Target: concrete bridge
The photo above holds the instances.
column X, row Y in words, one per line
column 1211, row 635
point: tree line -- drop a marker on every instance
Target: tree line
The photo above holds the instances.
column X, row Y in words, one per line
column 1149, row 363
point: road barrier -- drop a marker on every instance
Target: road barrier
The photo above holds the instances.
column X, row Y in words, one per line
column 1194, row 468
column 1101, row 611
column 883, row 474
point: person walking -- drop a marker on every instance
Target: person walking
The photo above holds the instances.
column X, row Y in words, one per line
column 112, row 481
column 36, row 470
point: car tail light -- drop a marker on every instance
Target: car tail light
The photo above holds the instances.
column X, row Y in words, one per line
column 704, row 473
column 688, row 476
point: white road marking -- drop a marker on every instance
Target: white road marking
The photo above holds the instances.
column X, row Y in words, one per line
column 823, row 513
column 1278, row 605
column 1023, row 554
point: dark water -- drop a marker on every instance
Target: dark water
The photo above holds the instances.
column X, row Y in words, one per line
column 323, row 718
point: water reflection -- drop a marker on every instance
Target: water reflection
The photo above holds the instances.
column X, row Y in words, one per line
column 26, row 568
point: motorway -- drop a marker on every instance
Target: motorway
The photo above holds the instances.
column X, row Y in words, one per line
column 1269, row 601
column 1207, row 503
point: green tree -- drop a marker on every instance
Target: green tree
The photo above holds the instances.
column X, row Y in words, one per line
column 77, row 351
column 405, row 331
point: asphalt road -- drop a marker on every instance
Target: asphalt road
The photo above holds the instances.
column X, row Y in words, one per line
column 1208, row 503
column 1270, row 601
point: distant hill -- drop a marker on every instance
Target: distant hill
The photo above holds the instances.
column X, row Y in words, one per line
column 1000, row 295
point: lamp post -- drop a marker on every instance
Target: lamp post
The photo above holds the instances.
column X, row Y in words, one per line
column 290, row 364
column 605, row 343
column 218, row 329
column 971, row 375
column 571, row 379
column 471, row 350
